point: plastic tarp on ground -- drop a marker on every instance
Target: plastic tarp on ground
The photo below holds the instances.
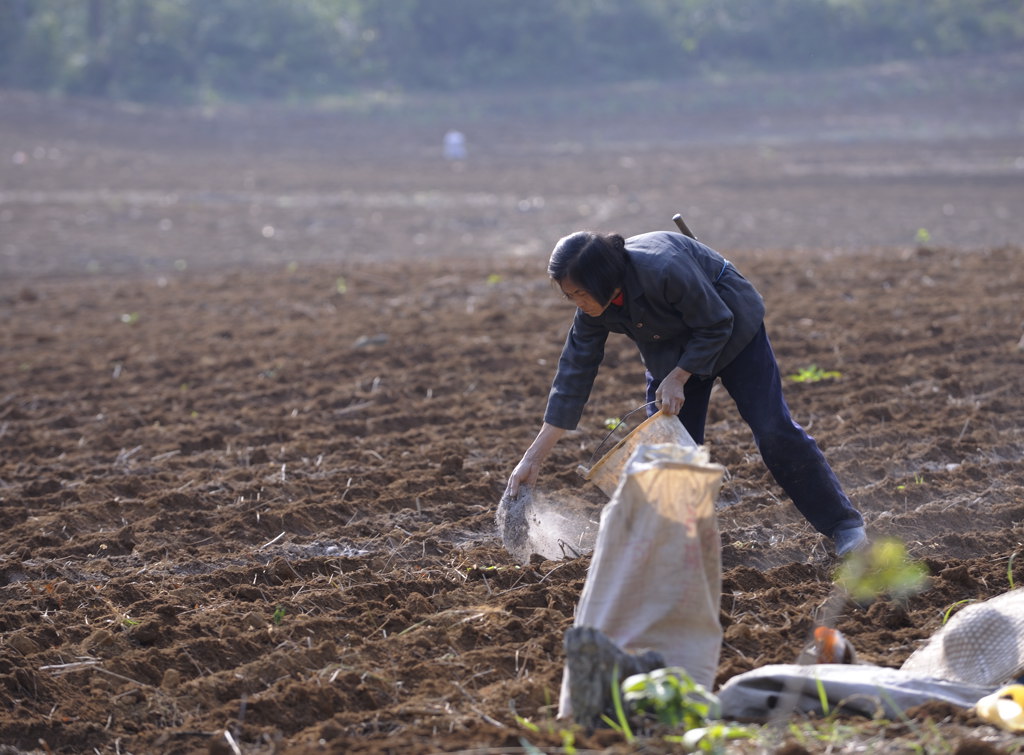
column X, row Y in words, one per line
column 871, row 691
column 980, row 649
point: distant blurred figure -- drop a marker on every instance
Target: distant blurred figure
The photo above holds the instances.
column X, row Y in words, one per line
column 454, row 145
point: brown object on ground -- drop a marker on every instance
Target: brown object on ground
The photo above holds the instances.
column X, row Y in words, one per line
column 235, row 395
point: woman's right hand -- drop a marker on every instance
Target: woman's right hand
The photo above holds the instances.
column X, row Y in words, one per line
column 525, row 474
column 528, row 468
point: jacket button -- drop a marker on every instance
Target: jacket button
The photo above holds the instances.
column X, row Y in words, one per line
column 639, row 324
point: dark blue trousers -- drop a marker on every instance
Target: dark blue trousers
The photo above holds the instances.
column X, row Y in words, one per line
column 791, row 455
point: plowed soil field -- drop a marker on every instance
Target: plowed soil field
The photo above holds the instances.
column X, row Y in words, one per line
column 265, row 373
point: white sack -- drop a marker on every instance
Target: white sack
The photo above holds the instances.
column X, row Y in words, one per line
column 655, row 578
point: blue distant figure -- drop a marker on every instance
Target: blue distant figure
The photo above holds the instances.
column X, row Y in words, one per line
column 454, row 145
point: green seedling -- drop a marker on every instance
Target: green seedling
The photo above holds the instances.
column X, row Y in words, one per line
column 949, row 611
column 918, row 480
column 883, row 569
column 278, row 616
column 671, row 696
column 492, row 569
column 493, row 278
column 822, row 696
column 568, row 735
column 341, row 285
column 814, row 374
column 610, row 423
column 528, row 724
column 711, row 738
column 922, row 236
column 130, row 318
column 1009, row 569
column 621, row 722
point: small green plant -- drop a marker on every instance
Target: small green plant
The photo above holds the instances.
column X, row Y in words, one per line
column 568, row 735
column 490, row 569
column 922, row 236
column 610, row 423
column 949, row 611
column 1009, row 569
column 814, row 374
column 711, row 738
column 527, row 724
column 676, row 700
column 882, row 569
column 493, row 278
column 621, row 722
column 341, row 285
column 278, row 616
column 918, row 480
column 130, row 318
column 822, row 696
column 671, row 695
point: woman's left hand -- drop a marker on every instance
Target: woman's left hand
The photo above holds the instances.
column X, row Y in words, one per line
column 669, row 396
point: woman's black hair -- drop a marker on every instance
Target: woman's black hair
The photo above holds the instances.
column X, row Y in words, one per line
column 595, row 262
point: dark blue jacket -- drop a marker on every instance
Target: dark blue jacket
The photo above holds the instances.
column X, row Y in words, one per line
column 685, row 306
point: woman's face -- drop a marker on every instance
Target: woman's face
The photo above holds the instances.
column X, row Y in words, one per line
column 581, row 298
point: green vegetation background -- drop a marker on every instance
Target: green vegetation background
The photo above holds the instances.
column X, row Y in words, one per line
column 209, row 50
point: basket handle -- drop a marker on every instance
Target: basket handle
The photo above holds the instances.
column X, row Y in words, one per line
column 611, row 432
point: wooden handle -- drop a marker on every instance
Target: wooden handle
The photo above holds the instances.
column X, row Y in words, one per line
column 681, row 225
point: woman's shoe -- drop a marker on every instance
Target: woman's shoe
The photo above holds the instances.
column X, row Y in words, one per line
column 850, row 540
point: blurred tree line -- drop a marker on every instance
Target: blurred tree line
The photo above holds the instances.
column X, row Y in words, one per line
column 197, row 50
